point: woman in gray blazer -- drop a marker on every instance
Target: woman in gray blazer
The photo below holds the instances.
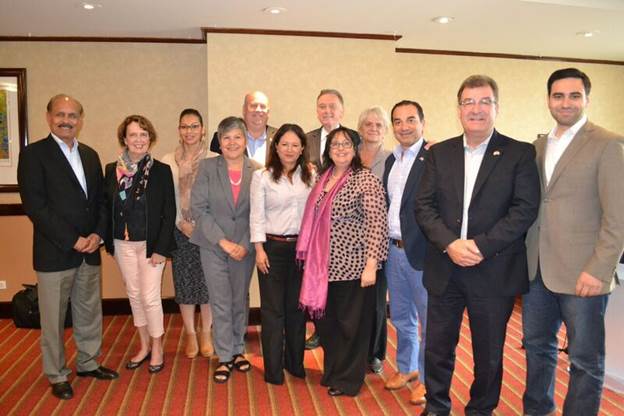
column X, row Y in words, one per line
column 220, row 206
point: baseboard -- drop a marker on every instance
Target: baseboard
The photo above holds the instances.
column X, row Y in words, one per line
column 121, row 306
column 614, row 382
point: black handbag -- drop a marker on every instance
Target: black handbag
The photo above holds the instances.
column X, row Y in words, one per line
column 25, row 308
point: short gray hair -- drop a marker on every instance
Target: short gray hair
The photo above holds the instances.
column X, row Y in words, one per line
column 231, row 123
column 377, row 111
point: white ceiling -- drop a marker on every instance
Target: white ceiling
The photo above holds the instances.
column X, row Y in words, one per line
column 525, row 27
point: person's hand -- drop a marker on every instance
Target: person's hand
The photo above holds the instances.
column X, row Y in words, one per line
column 239, row 253
column 186, row 227
column 262, row 260
column 94, row 243
column 156, row 259
column 369, row 275
column 587, row 285
column 464, row 253
column 227, row 246
column 81, row 244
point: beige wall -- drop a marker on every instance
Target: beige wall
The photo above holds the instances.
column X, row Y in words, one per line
column 116, row 79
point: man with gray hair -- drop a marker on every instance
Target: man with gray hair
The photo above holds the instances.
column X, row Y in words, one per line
column 478, row 196
column 60, row 183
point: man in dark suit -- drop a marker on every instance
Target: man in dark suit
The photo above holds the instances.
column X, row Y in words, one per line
column 256, row 110
column 403, row 269
column 477, row 198
column 60, row 183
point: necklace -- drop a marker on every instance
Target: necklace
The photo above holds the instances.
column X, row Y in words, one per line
column 235, row 183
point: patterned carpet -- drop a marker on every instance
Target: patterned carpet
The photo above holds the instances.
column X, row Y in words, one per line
column 185, row 386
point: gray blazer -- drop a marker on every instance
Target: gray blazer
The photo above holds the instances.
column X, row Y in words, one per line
column 212, row 204
column 580, row 226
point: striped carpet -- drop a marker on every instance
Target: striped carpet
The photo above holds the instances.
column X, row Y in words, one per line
column 184, row 387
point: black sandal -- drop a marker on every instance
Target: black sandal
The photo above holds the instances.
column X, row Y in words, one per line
column 222, row 376
column 242, row 364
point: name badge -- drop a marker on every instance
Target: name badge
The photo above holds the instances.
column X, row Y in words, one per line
column 122, row 195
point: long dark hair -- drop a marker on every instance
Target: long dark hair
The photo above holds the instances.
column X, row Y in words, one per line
column 356, row 162
column 275, row 164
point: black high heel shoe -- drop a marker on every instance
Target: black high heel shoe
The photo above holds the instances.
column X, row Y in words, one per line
column 133, row 365
column 156, row 368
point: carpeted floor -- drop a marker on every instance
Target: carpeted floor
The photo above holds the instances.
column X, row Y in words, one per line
column 185, row 386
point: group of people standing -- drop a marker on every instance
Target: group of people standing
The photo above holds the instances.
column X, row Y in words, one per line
column 334, row 224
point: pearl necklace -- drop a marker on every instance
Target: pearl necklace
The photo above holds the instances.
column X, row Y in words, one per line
column 238, row 182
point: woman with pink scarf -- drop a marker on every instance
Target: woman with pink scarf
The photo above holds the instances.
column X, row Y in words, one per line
column 343, row 241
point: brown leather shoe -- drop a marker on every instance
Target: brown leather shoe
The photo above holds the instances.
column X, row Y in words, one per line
column 399, row 380
column 205, row 343
column 191, row 349
column 417, row 396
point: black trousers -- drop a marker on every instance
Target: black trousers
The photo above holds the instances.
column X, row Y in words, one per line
column 488, row 317
column 283, row 323
column 379, row 334
column 345, row 333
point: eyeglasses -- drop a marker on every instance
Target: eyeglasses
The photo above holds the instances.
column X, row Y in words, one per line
column 470, row 102
column 192, row 127
column 341, row 145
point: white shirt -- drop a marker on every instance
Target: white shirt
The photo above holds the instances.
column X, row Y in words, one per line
column 324, row 134
column 276, row 208
column 556, row 146
column 403, row 161
column 472, row 162
column 73, row 157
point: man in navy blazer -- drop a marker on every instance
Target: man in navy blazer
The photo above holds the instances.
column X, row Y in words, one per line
column 403, row 269
column 60, row 182
column 477, row 198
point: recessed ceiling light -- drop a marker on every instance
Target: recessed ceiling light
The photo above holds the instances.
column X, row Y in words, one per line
column 587, row 34
column 443, row 19
column 274, row 10
column 91, row 6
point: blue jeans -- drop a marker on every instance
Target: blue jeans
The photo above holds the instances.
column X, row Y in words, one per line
column 408, row 304
column 543, row 312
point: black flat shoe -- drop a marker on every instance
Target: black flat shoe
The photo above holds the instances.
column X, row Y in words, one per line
column 223, row 372
column 101, row 373
column 334, row 392
column 241, row 363
column 133, row 365
column 375, row 365
column 156, row 368
column 62, row 390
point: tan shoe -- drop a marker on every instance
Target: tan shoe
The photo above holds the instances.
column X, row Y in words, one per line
column 205, row 343
column 192, row 348
column 417, row 396
column 399, row 380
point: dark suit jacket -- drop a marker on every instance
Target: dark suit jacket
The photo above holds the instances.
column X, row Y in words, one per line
column 504, row 204
column 57, row 206
column 413, row 239
column 313, row 138
column 161, row 209
column 270, row 132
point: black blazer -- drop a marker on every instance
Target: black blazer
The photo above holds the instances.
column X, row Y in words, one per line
column 413, row 239
column 161, row 209
column 57, row 206
column 504, row 204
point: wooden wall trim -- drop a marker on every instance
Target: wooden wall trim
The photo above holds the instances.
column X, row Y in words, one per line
column 11, row 209
column 242, row 31
column 99, row 39
column 507, row 56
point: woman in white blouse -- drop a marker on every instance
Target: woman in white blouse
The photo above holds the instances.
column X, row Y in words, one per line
column 278, row 198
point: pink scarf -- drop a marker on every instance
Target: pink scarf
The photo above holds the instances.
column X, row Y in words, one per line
column 313, row 246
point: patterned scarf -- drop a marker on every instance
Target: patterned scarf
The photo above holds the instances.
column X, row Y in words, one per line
column 313, row 245
column 187, row 172
column 127, row 170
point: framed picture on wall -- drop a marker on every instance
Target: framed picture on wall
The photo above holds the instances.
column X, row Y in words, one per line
column 13, row 124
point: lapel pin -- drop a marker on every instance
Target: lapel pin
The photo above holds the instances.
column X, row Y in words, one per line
column 421, row 158
column 496, row 153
